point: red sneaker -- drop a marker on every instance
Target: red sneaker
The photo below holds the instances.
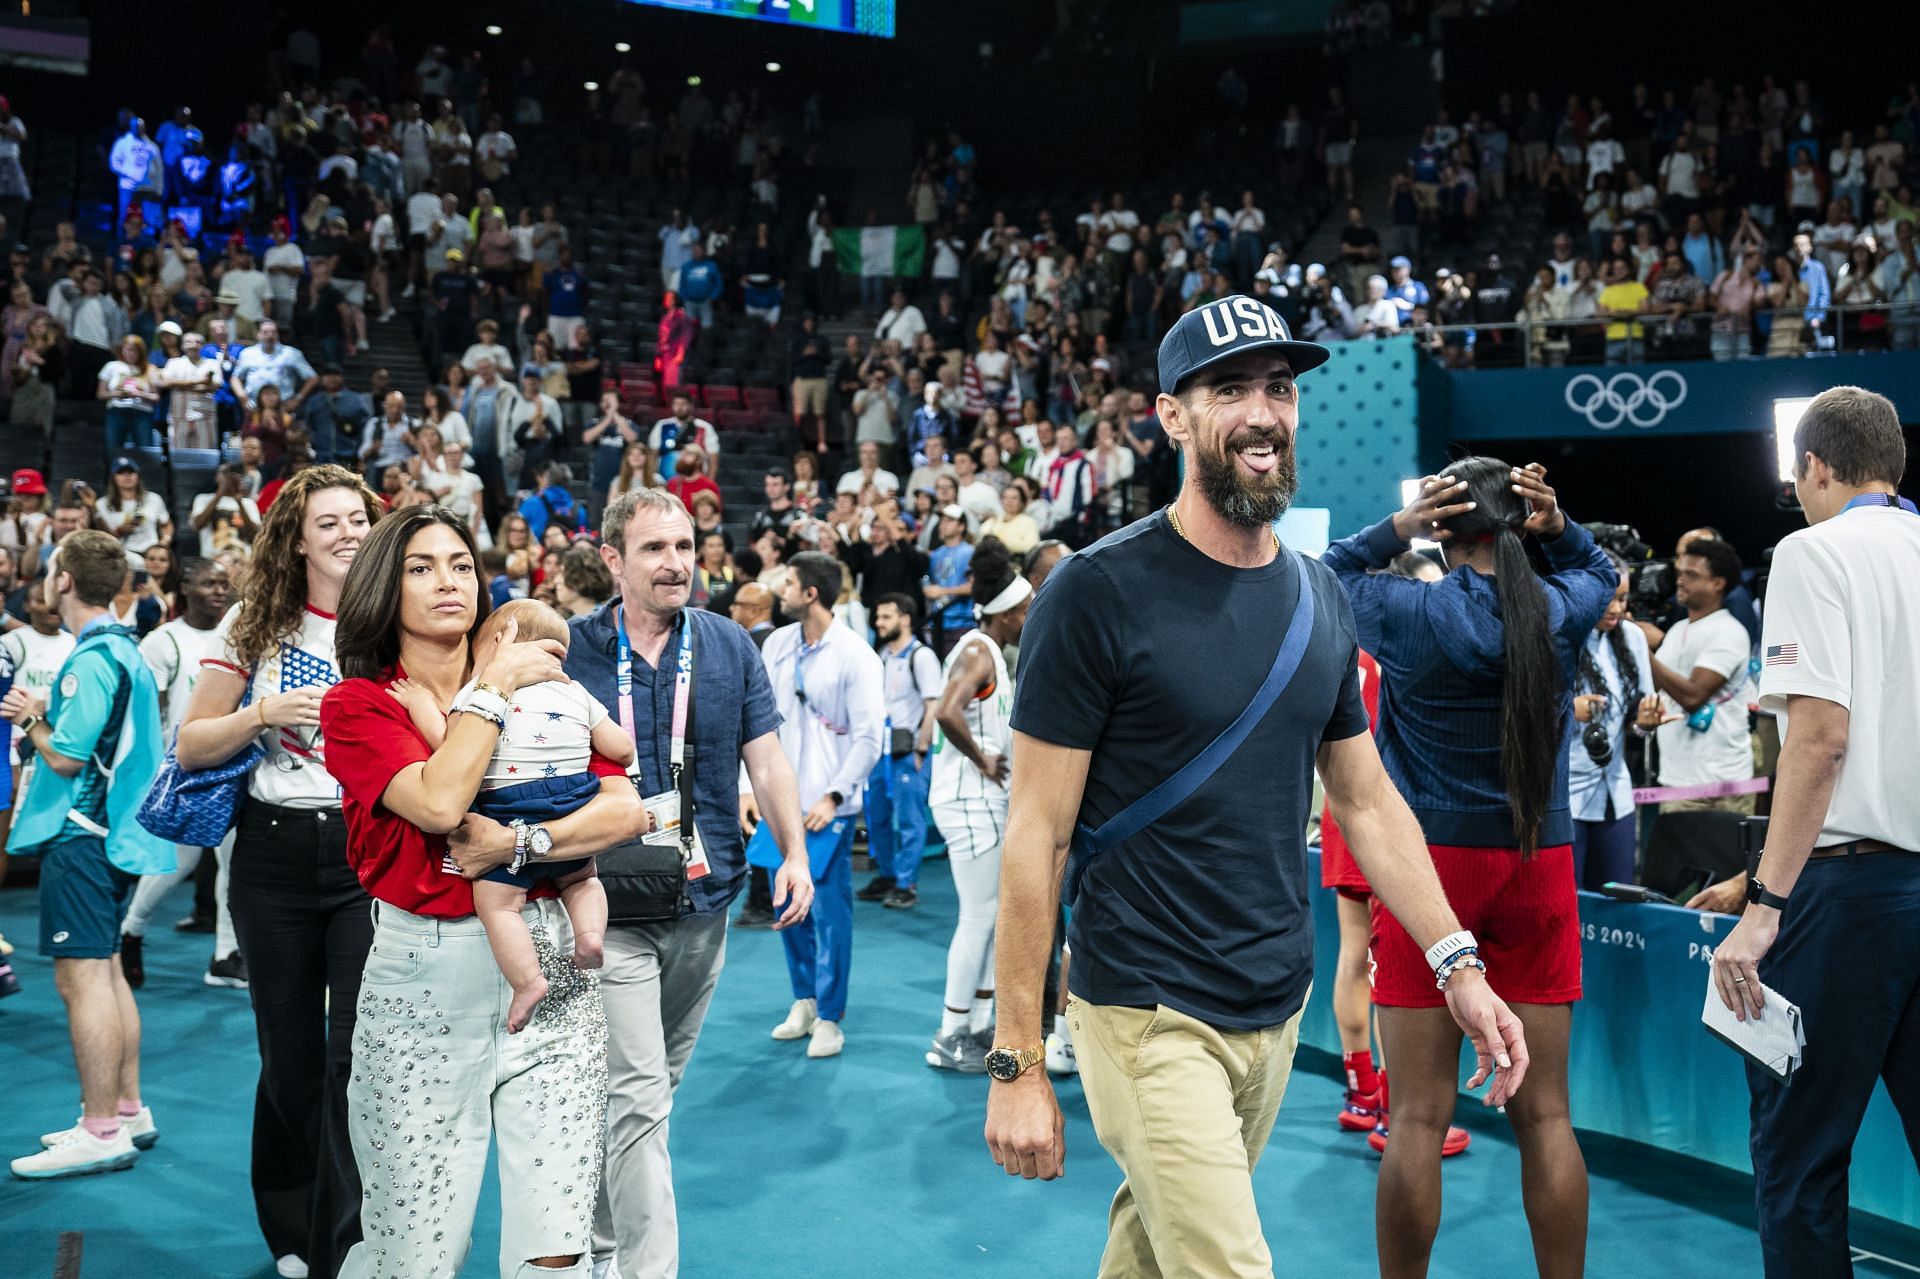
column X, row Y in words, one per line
column 1361, row 1113
column 1457, row 1139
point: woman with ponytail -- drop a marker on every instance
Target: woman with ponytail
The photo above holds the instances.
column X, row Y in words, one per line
column 969, row 797
column 1613, row 692
column 1477, row 678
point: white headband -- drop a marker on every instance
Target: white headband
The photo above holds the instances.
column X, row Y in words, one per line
column 1017, row 590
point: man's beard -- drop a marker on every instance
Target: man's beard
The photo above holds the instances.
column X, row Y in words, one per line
column 1249, row 501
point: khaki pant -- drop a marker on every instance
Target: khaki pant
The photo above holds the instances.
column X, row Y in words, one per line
column 1185, row 1109
column 1742, row 804
column 809, row 396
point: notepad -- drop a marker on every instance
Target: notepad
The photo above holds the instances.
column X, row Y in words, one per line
column 1774, row 1040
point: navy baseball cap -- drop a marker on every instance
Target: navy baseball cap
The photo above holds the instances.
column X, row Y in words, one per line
column 1232, row 326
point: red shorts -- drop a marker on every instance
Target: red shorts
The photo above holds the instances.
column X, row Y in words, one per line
column 1524, row 914
column 1337, row 867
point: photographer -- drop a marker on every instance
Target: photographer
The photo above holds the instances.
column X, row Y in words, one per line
column 1614, row 691
column 1739, row 601
column 1700, row 668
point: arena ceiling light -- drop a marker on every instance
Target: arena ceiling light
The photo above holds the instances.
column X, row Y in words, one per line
column 592, row 86
column 1786, row 416
column 493, row 30
column 621, row 46
column 774, row 67
column 693, row 82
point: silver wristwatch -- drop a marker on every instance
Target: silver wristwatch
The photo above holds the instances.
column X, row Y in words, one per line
column 529, row 843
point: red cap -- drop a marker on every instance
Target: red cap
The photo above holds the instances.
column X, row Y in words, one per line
column 283, row 226
column 28, row 482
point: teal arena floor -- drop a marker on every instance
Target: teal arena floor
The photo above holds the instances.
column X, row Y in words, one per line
column 868, row 1165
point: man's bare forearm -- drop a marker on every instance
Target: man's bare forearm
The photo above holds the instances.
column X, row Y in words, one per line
column 1392, row 853
column 1023, row 937
column 1803, row 789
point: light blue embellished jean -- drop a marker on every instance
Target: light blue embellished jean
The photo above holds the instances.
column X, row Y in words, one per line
column 435, row 1072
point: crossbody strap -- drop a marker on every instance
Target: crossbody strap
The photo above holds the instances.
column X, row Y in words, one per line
column 1177, row 789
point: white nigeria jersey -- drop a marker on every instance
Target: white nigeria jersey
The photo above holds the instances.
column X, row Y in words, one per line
column 989, row 718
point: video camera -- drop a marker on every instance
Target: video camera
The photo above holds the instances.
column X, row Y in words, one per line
column 1650, row 581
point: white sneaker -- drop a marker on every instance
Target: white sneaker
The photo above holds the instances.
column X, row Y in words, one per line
column 407, row 292
column 139, row 1127
column 78, row 1152
column 1060, row 1058
column 290, row 1267
column 799, row 1022
column 827, row 1040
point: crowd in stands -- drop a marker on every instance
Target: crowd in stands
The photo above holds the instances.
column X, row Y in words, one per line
column 1677, row 224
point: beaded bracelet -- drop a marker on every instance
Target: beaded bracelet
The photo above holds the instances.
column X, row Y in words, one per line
column 1468, row 958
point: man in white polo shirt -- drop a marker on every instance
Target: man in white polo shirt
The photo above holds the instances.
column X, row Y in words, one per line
column 1833, row 915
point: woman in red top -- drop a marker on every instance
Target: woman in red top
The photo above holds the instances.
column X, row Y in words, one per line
column 673, row 341
column 435, row 1072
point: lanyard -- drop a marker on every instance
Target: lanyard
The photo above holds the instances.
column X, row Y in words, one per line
column 682, row 695
column 1882, row 499
column 800, row 657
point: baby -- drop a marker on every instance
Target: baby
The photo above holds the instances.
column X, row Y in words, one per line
column 538, row 774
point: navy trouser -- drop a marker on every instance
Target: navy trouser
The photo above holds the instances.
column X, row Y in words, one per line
column 1849, row 955
column 1603, row 851
column 897, row 816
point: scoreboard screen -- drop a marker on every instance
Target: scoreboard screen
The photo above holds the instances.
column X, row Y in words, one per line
column 857, row 17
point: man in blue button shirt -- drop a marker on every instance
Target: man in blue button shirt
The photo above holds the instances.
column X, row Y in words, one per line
column 659, row 977
column 96, row 750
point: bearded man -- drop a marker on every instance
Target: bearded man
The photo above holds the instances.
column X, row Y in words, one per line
column 1180, row 681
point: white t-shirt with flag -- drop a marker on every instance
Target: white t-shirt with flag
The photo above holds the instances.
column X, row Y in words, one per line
column 1843, row 614
column 294, row 773
column 174, row 653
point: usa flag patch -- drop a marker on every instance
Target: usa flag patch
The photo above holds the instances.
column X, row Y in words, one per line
column 1782, row 654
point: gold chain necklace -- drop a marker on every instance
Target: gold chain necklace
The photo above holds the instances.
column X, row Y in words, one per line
column 1173, row 518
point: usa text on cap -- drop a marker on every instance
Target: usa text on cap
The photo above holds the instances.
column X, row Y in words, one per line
column 1232, row 326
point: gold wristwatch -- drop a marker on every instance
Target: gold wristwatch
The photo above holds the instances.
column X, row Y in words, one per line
column 1008, row 1064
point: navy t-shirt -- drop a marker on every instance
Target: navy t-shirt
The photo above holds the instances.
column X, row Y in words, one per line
column 1142, row 649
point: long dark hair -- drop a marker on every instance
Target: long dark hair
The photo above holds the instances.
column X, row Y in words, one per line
column 366, row 638
column 1530, row 712
column 1590, row 677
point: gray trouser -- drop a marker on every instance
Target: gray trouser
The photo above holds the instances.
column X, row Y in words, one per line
column 435, row 1073
column 657, row 983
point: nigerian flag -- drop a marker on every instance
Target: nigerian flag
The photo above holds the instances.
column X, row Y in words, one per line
column 881, row 250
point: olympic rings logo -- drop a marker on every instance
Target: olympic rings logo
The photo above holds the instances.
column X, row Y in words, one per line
column 1626, row 397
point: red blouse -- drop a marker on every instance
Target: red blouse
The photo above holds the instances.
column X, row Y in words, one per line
column 369, row 740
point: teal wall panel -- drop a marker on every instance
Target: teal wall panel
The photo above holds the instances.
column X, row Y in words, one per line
column 1359, row 432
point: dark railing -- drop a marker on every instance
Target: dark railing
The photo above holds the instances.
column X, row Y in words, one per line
column 1779, row 333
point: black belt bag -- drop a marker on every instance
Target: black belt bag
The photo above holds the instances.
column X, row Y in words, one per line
column 901, row 743
column 645, row 883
